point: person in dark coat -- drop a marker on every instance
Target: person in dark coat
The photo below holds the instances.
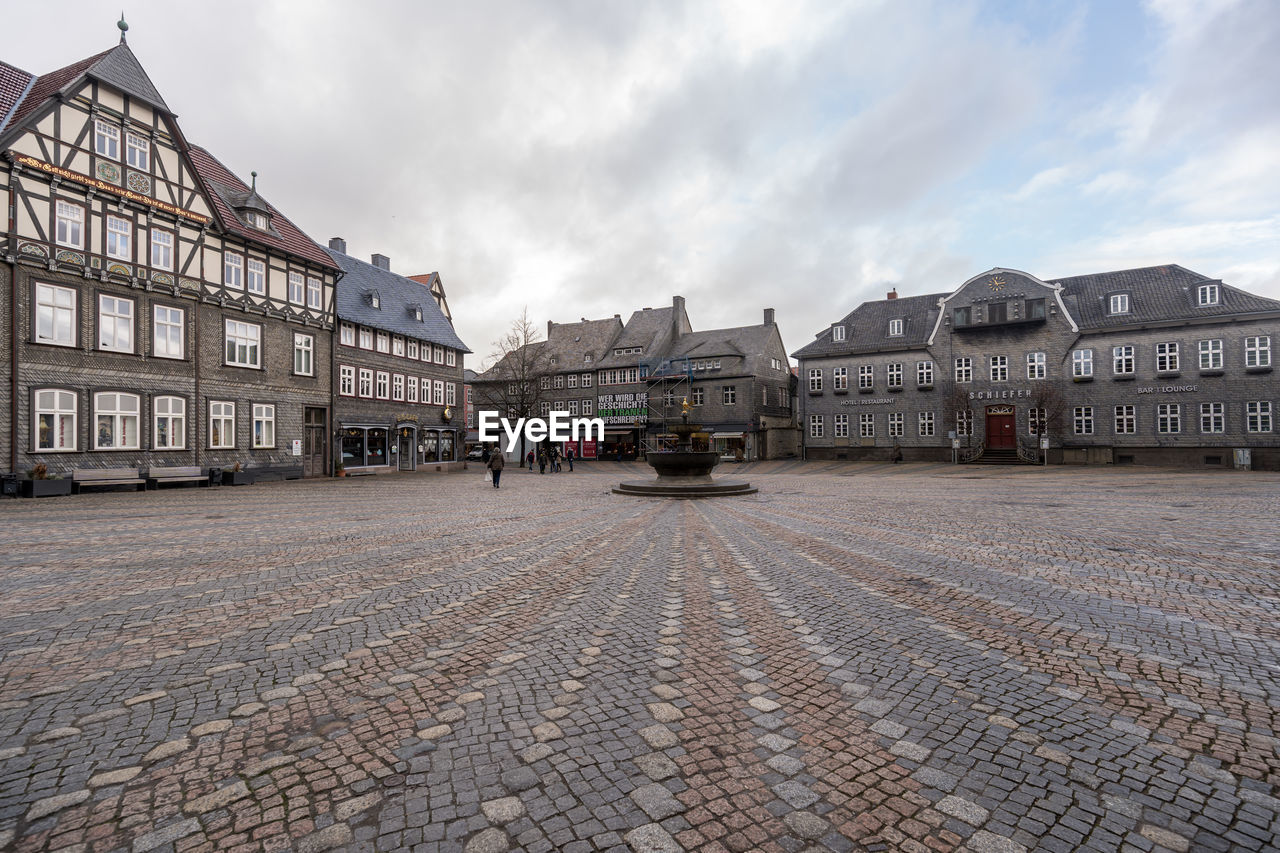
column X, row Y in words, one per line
column 495, row 464
column 568, row 457
column 542, row 461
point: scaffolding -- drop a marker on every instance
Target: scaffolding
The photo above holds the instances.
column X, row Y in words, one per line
column 668, row 383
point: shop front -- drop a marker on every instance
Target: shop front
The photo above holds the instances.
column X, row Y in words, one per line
column 365, row 446
column 437, row 445
column 619, row 444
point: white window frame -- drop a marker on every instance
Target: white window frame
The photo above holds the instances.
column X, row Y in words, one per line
column 571, row 381
column 451, row 358
column 895, row 328
column 51, row 306
column 729, row 394
column 840, row 425
column 1168, row 418
column 815, row 379
column 697, row 398
column 926, row 424
column 586, row 380
column 172, row 411
column 1257, row 415
column 999, row 368
column 437, row 392
column 347, row 334
column 924, row 373
column 119, row 238
column 233, row 270
column 242, row 344
column 557, row 381
column 866, row 376
column 382, row 385
column 346, row 380
column 61, row 408
column 315, row 292
column 366, row 338
column 1213, row 418
column 255, row 280
column 1122, row 360
column 1036, row 368
column 1257, row 351
column 964, row 369
column 840, row 379
column 1082, row 420
column 304, row 349
column 164, row 325
column 222, row 425
column 893, row 375
column 162, row 249
column 815, row 426
column 837, row 333
column 451, row 396
column 1211, row 354
column 366, row 383
column 411, row 349
column 1082, row 363
column 588, row 407
column 137, row 151
column 382, row 342
column 411, row 389
column 1126, row 420
column 439, row 354
column 1167, row 357
column 867, row 425
column 264, row 425
column 397, row 387
column 106, row 139
column 397, row 346
column 69, row 225
column 115, row 321
column 108, row 404
column 297, row 288
column 964, row 422
column 896, row 425
column 1037, row 420
column 1119, row 304
column 1207, row 294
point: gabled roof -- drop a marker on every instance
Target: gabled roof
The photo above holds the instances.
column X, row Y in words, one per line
column 121, row 69
column 745, row 342
column 649, row 329
column 1156, row 294
column 397, row 295
column 867, row 327
column 224, row 188
column 48, row 85
column 14, row 85
column 436, row 286
column 568, row 343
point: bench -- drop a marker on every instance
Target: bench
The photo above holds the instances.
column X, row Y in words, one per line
column 81, row 477
column 178, row 474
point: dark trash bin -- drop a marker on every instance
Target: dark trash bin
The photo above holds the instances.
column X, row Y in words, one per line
column 9, row 485
column 215, row 476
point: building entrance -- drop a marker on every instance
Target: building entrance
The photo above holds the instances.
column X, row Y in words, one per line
column 315, row 434
column 1001, row 431
column 405, row 449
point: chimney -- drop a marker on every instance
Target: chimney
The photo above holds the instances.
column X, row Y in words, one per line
column 549, row 327
column 338, row 244
column 677, row 317
column 768, row 316
column 382, row 262
column 892, row 294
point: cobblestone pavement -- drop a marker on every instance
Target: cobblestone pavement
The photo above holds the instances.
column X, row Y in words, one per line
column 860, row 657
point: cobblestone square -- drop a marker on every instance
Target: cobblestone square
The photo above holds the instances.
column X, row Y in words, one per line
column 860, row 657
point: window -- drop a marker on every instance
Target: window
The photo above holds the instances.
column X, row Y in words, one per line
column 573, row 407
column 264, row 425
column 1119, row 303
column 867, row 425
column 115, row 323
column 586, row 359
column 999, row 368
column 70, row 225
column 815, row 379
column 926, row 423
column 222, row 425
column 383, row 342
column 1207, row 294
column 557, row 381
column 1122, row 360
column 964, row 422
column 964, row 370
column 1035, row 365
column 55, row 315
column 366, row 382
column 840, row 426
column 962, row 316
column 924, row 373
column 161, row 249
column 1166, row 357
column 1211, row 355
column 233, row 271
column 1083, row 420
column 116, row 421
column 55, row 419
column 451, row 358
column 1082, row 362
column 1126, row 420
column 866, row 376
column 1258, row 415
column 572, row 380
column 1035, row 309
column 257, row 278
column 106, row 139
column 426, row 353
column 997, row 312
column 346, row 380
column 544, row 408
column 895, row 424
column 895, row 328
column 411, row 350
column 411, row 389
column 256, row 219
column 544, row 383
column 347, row 334
column 366, row 338
column 586, row 380
column 169, row 423
column 313, row 292
column 837, row 333
column 303, row 354
column 840, row 378
column 815, row 426
column 397, row 345
column 437, row 392
column 730, row 394
column 1169, row 418
column 1212, row 417
column 397, row 386
column 893, row 375
column 1037, row 421
column 587, row 407
column 775, row 364
column 242, row 344
column 168, row 333
column 1257, row 352
column 138, row 151
column 697, row 397
column 383, row 387
column 451, row 397
column 439, row 354
column 297, row 288
column 119, row 238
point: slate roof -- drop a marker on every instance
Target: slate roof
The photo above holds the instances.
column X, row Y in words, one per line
column 746, row 342
column 14, row 83
column 224, row 188
column 397, row 295
column 649, row 329
column 436, row 286
column 867, row 327
column 569, row 342
column 1156, row 294
column 121, row 69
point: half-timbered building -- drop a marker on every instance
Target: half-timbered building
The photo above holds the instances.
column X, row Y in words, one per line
column 157, row 310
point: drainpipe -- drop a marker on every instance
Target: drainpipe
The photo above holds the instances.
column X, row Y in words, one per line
column 13, row 329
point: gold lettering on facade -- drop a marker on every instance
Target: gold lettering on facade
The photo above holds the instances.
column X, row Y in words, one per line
column 96, row 184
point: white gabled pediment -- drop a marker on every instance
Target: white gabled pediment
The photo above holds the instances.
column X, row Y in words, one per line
column 994, row 284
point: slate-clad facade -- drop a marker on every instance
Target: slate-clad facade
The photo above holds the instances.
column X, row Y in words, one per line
column 157, row 310
column 398, row 369
column 1159, row 365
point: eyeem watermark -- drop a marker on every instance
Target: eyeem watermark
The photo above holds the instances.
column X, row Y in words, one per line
column 560, row 428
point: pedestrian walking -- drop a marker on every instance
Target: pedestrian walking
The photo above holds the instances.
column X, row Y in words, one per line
column 542, row 462
column 528, row 457
column 555, row 460
column 495, row 465
column 484, row 454
column 568, row 457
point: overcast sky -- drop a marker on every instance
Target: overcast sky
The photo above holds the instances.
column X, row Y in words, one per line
column 589, row 158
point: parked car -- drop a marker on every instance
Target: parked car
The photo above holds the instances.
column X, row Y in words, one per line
column 476, row 453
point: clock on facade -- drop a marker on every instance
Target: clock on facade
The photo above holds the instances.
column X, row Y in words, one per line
column 996, row 283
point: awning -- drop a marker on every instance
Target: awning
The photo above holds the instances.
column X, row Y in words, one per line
column 726, row 435
column 618, row 431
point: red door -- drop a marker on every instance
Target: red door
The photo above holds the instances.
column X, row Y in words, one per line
column 1001, row 431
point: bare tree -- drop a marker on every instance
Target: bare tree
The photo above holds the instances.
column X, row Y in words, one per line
column 513, row 385
column 954, row 405
column 1052, row 406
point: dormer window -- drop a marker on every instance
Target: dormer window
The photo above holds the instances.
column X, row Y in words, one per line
column 895, row 328
column 586, row 359
column 1207, row 294
column 375, row 301
column 256, row 220
column 963, row 316
column 415, row 311
column 252, row 209
column 837, row 333
column 1119, row 303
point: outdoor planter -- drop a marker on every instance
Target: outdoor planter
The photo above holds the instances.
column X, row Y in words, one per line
column 45, row 488
column 237, row 478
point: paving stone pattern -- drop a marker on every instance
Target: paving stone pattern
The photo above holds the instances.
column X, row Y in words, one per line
column 860, row 657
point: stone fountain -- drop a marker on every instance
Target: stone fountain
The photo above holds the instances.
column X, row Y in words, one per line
column 684, row 472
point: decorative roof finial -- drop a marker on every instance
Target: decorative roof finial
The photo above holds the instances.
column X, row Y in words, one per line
column 124, row 28
column 255, row 181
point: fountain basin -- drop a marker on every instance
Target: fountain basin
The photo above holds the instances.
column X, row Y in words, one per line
column 684, row 473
